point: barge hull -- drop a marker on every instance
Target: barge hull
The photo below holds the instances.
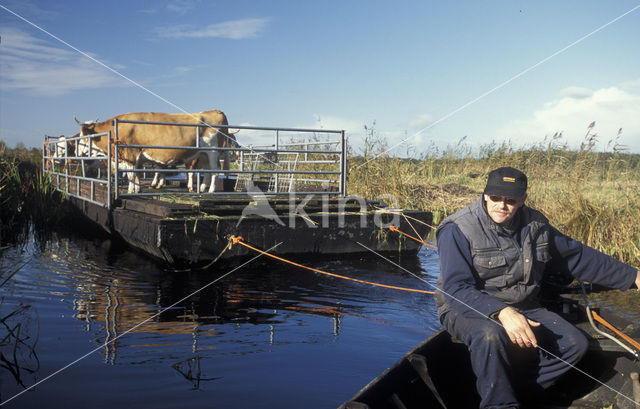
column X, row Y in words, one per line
column 195, row 234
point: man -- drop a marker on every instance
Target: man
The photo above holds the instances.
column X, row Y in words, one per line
column 493, row 255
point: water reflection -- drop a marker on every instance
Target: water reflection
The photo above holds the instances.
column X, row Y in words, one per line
column 190, row 369
column 18, row 344
column 106, row 290
column 263, row 310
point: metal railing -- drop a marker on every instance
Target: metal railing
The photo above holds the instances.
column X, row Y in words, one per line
column 70, row 173
column 312, row 161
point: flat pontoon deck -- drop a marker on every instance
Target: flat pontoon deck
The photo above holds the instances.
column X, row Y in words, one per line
column 288, row 195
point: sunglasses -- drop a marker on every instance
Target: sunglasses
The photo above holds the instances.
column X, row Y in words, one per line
column 508, row 200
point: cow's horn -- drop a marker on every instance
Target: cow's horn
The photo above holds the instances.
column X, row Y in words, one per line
column 230, row 132
column 85, row 123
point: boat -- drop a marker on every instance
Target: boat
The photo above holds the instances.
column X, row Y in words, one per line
column 437, row 373
column 287, row 198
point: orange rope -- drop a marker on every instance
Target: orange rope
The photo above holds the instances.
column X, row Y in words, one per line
column 622, row 335
column 238, row 240
column 394, row 228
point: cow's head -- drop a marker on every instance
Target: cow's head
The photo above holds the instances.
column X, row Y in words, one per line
column 86, row 128
column 227, row 138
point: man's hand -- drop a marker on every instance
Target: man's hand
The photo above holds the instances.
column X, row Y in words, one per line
column 638, row 280
column 518, row 327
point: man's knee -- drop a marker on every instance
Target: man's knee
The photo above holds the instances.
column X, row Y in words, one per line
column 573, row 346
column 490, row 334
column 579, row 344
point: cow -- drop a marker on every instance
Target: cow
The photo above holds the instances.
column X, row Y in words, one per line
column 225, row 139
column 59, row 151
column 162, row 135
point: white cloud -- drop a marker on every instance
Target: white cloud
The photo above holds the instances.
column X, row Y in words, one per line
column 421, row 121
column 34, row 11
column 173, row 6
column 334, row 123
column 234, row 30
column 611, row 108
column 576, row 92
column 181, row 6
column 35, row 66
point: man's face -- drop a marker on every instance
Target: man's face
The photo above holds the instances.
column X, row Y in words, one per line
column 501, row 209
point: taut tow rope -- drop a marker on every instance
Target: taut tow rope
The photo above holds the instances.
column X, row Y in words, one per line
column 233, row 240
column 394, row 228
column 239, row 240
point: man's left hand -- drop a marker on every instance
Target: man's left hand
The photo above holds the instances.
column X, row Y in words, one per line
column 518, row 327
column 638, row 280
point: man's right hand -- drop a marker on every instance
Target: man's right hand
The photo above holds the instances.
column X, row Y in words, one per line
column 518, row 327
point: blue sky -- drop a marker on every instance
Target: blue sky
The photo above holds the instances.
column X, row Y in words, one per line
column 406, row 65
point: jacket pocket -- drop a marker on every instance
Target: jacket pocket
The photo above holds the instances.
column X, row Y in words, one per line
column 543, row 253
column 491, row 269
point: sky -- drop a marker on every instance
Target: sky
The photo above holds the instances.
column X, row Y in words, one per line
column 426, row 75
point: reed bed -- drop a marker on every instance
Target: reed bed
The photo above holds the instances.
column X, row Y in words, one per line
column 591, row 196
column 25, row 194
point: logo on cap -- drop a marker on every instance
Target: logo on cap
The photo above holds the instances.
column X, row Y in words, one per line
column 508, row 179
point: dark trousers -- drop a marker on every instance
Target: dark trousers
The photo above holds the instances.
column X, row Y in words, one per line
column 503, row 369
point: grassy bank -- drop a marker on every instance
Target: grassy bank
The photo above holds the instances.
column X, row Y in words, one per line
column 25, row 196
column 593, row 197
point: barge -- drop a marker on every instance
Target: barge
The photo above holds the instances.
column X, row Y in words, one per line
column 287, row 198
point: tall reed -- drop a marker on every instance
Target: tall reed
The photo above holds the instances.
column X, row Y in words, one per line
column 25, row 194
column 591, row 196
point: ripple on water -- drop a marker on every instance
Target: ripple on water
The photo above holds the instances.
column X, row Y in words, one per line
column 266, row 330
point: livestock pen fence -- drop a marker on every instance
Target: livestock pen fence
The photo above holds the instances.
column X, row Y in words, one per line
column 273, row 161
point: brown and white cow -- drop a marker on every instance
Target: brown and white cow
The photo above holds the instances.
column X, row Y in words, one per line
column 59, row 151
column 163, row 135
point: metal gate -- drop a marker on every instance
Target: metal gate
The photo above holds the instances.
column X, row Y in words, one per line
column 277, row 161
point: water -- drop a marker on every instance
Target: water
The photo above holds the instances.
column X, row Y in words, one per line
column 267, row 335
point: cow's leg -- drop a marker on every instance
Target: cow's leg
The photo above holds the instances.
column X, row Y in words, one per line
column 200, row 162
column 191, row 176
column 162, row 181
column 214, row 164
column 206, row 179
column 130, row 175
column 158, row 180
column 226, row 161
column 190, row 182
column 196, row 163
column 225, row 166
column 133, row 176
column 134, row 182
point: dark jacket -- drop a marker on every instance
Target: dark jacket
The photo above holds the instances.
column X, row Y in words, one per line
column 484, row 267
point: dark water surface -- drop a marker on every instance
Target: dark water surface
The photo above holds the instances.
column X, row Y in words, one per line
column 266, row 336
